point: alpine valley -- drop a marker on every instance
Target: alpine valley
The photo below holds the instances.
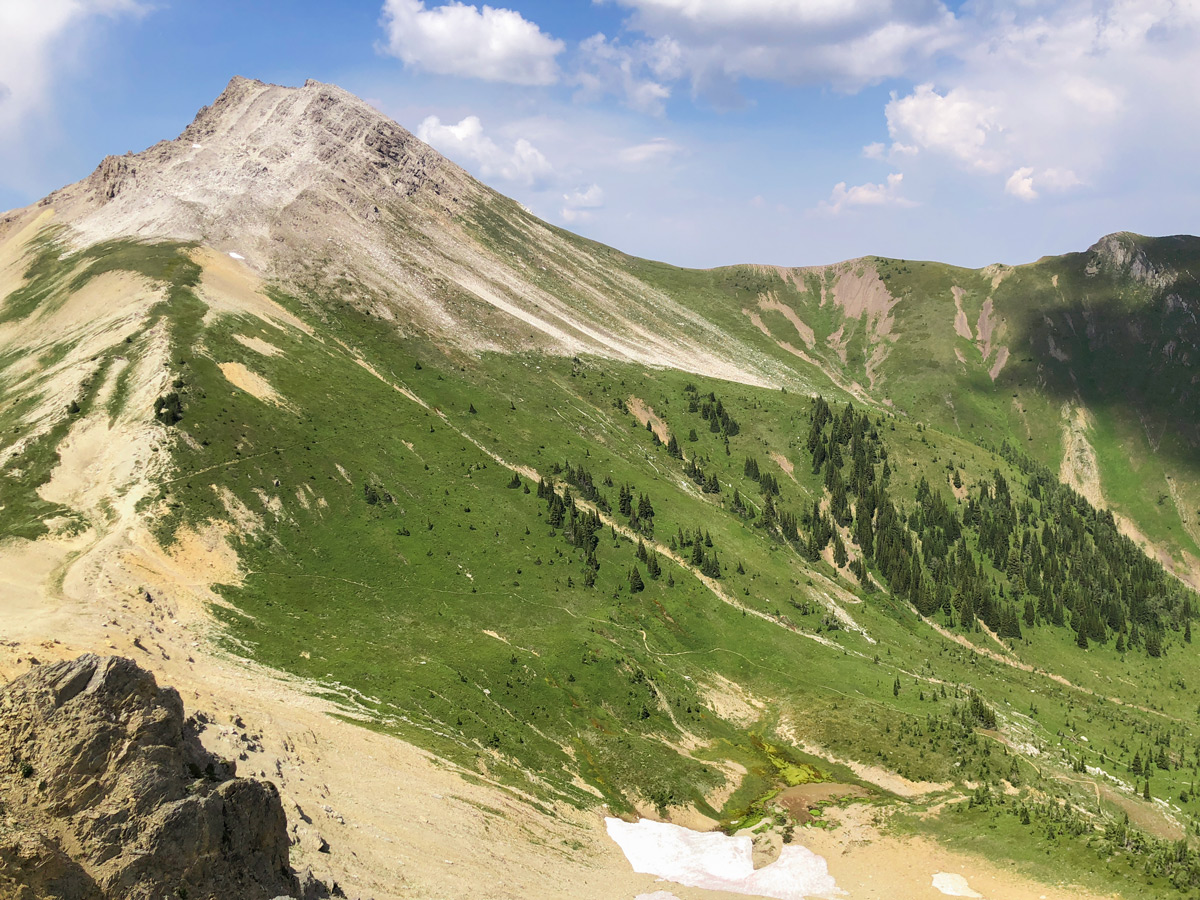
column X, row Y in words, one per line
column 468, row 533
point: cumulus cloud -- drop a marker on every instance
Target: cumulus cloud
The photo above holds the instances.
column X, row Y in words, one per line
column 31, row 32
column 521, row 163
column 1050, row 93
column 578, row 205
column 1025, row 182
column 886, row 194
column 956, row 124
column 456, row 39
column 1020, row 184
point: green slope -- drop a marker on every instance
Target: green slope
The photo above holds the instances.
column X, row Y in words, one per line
column 393, row 559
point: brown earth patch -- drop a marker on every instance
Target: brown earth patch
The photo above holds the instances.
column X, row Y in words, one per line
column 253, row 384
column 867, row 862
column 784, row 463
column 998, row 365
column 258, row 345
column 771, row 302
column 800, row 800
column 961, row 326
column 228, row 286
column 644, row 414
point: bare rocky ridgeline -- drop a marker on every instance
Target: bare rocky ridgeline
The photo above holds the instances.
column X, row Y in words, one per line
column 261, row 165
column 330, row 199
column 106, row 792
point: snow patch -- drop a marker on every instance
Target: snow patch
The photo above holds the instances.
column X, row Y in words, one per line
column 236, row 255
column 953, row 885
column 717, row 862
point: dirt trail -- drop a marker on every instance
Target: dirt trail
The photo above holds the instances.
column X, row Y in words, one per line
column 1007, row 660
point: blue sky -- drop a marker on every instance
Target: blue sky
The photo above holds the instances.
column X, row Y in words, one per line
column 701, row 132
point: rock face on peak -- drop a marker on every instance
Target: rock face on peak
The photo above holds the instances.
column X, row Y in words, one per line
column 328, row 200
column 257, row 164
column 105, row 792
column 1123, row 254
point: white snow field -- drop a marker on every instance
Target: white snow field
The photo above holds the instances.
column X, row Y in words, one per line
column 715, row 861
column 953, row 885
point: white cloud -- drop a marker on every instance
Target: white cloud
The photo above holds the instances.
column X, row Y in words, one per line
column 653, row 151
column 1025, row 182
column 882, row 152
column 957, row 124
column 31, row 34
column 578, row 205
column 606, row 67
column 456, row 39
column 1020, row 184
column 850, row 43
column 521, row 164
column 886, row 194
column 1056, row 93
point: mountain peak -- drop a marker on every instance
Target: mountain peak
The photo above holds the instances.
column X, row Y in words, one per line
column 259, row 163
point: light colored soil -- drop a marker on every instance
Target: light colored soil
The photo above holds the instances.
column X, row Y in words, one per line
column 998, row 365
column 230, row 287
column 642, row 411
column 1080, row 468
column 989, row 330
column 258, row 345
column 771, row 302
column 785, row 464
column 731, row 701
column 757, row 322
column 837, row 343
column 961, row 326
column 14, row 244
column 869, row 864
column 860, row 292
column 253, row 384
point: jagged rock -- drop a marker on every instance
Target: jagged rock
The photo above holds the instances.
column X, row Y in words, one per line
column 1121, row 254
column 106, row 792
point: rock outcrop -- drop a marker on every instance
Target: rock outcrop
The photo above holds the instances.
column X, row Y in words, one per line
column 106, row 792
